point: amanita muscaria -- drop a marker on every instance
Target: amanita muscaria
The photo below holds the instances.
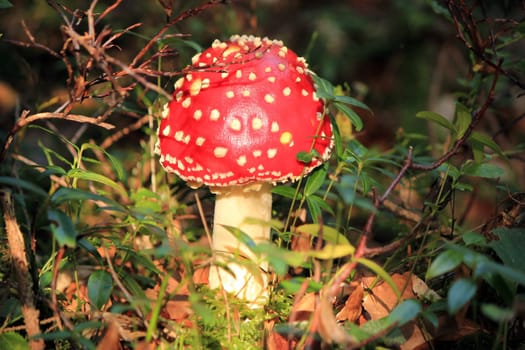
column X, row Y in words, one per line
column 241, row 114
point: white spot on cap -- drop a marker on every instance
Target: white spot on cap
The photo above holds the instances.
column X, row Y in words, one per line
column 230, row 94
column 304, row 92
column 215, row 44
column 257, row 153
column 186, row 103
column 195, row 87
column 180, row 165
column 235, row 124
column 224, row 74
column 195, row 58
column 200, row 141
column 286, row 137
column 257, row 123
column 268, row 98
column 188, row 160
column 287, row 91
column 189, row 77
column 197, row 114
column 299, row 69
column 205, row 83
column 274, row 127
column 179, row 135
column 166, row 131
column 271, row 153
column 238, row 74
column 246, row 93
column 178, row 96
column 298, row 79
column 271, row 79
column 281, row 67
column 220, row 152
column 178, row 83
column 241, row 160
column 252, row 76
column 315, row 97
column 165, row 111
column 215, row 114
column 268, row 69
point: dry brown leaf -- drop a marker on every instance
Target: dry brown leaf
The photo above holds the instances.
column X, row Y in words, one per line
column 111, row 339
column 353, row 305
column 450, row 330
column 415, row 338
column 328, row 328
column 178, row 310
column 304, row 308
column 421, row 289
column 275, row 340
column 200, row 275
column 382, row 299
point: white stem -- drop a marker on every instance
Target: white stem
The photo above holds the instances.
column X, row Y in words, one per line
column 247, row 278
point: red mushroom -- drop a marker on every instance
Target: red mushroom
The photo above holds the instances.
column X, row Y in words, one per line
column 240, row 116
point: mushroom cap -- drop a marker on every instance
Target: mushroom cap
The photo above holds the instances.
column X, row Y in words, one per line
column 241, row 113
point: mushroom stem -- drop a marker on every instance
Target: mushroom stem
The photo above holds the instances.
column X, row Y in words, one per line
column 247, row 277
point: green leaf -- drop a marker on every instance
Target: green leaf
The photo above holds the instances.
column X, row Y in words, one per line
column 509, row 246
column 405, row 312
column 463, row 119
column 4, row 4
column 293, row 285
column 23, row 184
column 460, row 293
column 436, row 118
column 351, row 101
column 351, row 114
column 62, row 227
column 444, row 262
column 473, row 238
column 486, row 267
column 324, row 89
column 320, row 205
column 304, row 157
column 380, row 272
column 315, row 181
column 497, row 313
column 115, row 162
column 484, row 140
column 286, row 191
column 331, row 251
column 92, row 176
column 329, row 234
column 100, row 286
column 485, row 170
column 13, row 341
column 64, row 194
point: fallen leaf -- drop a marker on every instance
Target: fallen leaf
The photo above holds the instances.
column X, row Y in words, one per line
column 304, row 308
column 353, row 305
column 328, row 328
column 111, row 339
column 381, row 299
column 421, row 289
column 178, row 309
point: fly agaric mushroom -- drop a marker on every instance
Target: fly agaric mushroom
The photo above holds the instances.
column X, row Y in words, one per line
column 241, row 114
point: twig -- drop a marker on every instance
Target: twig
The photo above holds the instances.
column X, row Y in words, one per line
column 26, row 119
column 18, row 253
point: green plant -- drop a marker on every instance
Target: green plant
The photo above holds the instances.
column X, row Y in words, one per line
column 113, row 240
